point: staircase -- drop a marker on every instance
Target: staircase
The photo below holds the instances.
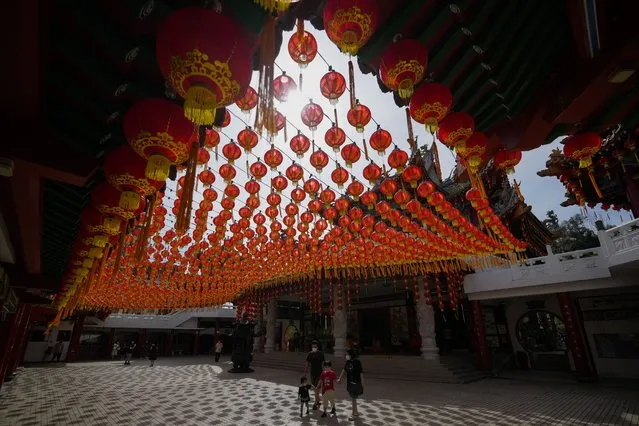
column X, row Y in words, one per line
column 451, row 369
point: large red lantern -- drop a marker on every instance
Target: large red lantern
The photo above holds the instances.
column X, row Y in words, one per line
column 248, row 101
column 206, row 177
column 455, row 129
column 350, row 23
column 258, row 170
column 332, row 86
column 335, row 137
column 302, row 47
column 474, row 150
column 380, row 140
column 294, row 173
column 372, row 172
column 283, row 85
column 205, row 71
column 157, row 130
column 231, row 152
column 273, row 157
column 300, row 144
column 403, row 66
column 359, row 116
column 106, row 200
column 430, row 104
column 507, row 159
column 312, row 115
column 247, row 139
column 125, row 171
column 319, row 160
column 227, row 172
column 351, row 154
column 582, row 147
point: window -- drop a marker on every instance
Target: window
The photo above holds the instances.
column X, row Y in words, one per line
column 617, row 345
column 541, row 331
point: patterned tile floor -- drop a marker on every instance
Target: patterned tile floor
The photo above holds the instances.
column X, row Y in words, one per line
column 194, row 391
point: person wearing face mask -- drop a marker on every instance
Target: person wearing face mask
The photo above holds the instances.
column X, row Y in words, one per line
column 315, row 360
column 354, row 380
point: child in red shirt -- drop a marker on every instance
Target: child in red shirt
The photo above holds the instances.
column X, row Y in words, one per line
column 327, row 381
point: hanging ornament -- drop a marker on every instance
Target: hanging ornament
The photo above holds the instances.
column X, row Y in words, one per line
column 300, row 144
column 211, row 139
column 273, row 158
column 398, row 159
column 507, row 159
column 227, row 172
column 319, row 160
column 275, row 5
column 231, row 152
column 403, row 66
column 312, row 115
column 474, row 150
column 283, row 85
column 372, row 172
column 583, row 147
column 335, row 137
column 258, row 170
column 302, row 47
column 430, row 104
column 332, row 86
column 351, row 154
column 350, row 23
column 359, row 116
column 455, row 129
column 247, row 139
column 249, row 101
column 380, row 140
column 339, row 176
column 208, row 74
column 106, row 200
column 412, row 175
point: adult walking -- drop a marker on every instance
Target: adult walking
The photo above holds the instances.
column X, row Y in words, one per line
column 57, row 351
column 218, row 349
column 115, row 350
column 153, row 354
column 354, row 380
column 315, row 361
column 128, row 352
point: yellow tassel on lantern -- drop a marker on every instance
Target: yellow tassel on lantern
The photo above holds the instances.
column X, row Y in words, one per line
column 157, row 167
column 585, row 162
column 129, row 200
column 200, row 105
column 591, row 175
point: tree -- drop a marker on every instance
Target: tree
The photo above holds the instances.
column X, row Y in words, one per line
column 571, row 234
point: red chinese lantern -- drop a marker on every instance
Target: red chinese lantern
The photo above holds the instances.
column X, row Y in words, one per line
column 359, row 116
column 231, row 152
column 252, row 187
column 206, row 177
column 94, row 222
column 319, row 160
column 227, row 172
column 339, row 176
column 211, row 139
column 403, row 66
column 300, row 144
column 294, row 173
column 582, row 147
column 248, row 101
column 203, row 156
column 312, row 115
column 430, row 104
column 227, row 119
column 210, row 194
column 388, row 187
column 207, row 73
column 232, row 191
column 332, row 86
column 312, row 187
column 106, row 200
column 298, row 195
column 372, row 172
column 474, row 150
column 258, row 170
column 273, row 158
column 401, row 198
column 275, row 125
column 302, row 47
column 426, row 189
column 369, row 198
column 412, row 175
column 507, row 159
column 350, row 23
column 355, row 189
column 125, row 171
column 351, row 154
column 247, row 139
column 398, row 159
column 380, row 140
column 335, row 137
column 157, row 130
column 455, row 129
column 282, row 86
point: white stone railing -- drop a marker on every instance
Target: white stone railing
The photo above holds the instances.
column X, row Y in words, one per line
column 169, row 321
column 621, row 243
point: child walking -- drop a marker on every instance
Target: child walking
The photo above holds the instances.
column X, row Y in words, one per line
column 328, row 379
column 303, row 395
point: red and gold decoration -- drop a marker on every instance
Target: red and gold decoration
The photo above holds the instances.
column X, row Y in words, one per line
column 350, row 23
column 430, row 104
column 403, row 66
column 507, row 160
column 207, row 73
column 581, row 147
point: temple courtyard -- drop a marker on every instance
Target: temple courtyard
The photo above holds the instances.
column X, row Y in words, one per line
column 195, row 391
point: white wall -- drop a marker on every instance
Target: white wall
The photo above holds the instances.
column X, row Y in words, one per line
column 36, row 350
column 610, row 367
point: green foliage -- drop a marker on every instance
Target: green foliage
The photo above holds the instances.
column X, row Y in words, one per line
column 571, row 234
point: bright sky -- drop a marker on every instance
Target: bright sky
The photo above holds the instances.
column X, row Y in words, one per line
column 542, row 194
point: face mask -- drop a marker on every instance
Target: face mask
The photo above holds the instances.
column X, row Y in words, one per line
column 314, row 349
column 348, row 357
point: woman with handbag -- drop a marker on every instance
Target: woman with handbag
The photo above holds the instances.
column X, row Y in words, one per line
column 354, row 380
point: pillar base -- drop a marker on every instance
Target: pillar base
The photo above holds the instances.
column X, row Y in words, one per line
column 269, row 349
column 339, row 350
column 430, row 354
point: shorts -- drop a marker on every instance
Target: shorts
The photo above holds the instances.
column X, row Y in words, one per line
column 354, row 389
column 328, row 397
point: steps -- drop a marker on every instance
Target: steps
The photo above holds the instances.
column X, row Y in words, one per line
column 406, row 368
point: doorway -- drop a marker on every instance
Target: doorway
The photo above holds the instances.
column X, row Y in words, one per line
column 374, row 330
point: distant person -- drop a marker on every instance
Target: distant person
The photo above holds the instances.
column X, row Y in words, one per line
column 315, row 360
column 354, row 380
column 153, row 354
column 328, row 379
column 115, row 350
column 128, row 352
column 48, row 353
column 303, row 395
column 57, row 351
column 218, row 349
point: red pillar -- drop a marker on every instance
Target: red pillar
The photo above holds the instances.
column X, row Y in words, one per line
column 13, row 333
column 573, row 335
column 74, row 345
column 196, row 344
column 480, row 336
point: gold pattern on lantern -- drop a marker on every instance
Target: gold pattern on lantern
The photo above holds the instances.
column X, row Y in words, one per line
column 405, row 86
column 348, row 42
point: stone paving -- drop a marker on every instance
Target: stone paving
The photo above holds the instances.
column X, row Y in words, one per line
column 195, row 391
